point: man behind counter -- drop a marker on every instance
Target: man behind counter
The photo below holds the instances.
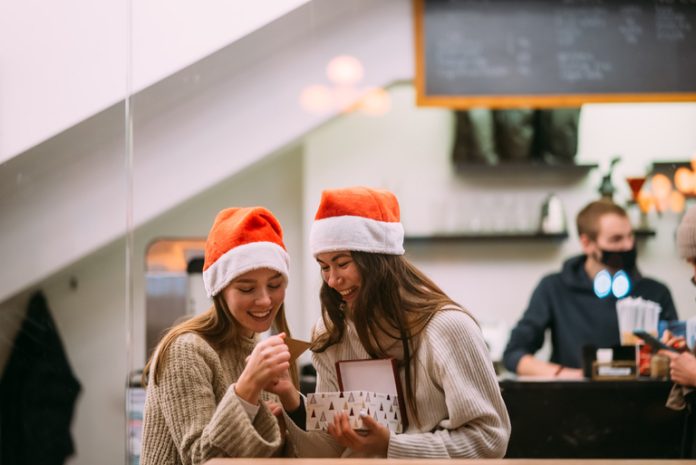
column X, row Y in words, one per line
column 566, row 302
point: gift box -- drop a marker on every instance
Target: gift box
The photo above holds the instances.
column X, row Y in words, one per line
column 370, row 387
column 383, row 408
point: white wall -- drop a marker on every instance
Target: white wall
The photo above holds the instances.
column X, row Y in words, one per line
column 92, row 318
column 65, row 61
column 191, row 131
column 408, row 151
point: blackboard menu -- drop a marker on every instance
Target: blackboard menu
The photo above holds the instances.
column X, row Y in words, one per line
column 544, row 53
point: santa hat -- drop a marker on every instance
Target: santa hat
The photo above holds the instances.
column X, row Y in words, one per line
column 241, row 240
column 686, row 234
column 357, row 218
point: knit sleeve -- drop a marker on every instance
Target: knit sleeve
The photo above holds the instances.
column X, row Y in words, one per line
column 316, row 443
column 201, row 427
column 476, row 424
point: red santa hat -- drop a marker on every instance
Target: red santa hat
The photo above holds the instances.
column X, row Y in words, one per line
column 357, row 218
column 241, row 240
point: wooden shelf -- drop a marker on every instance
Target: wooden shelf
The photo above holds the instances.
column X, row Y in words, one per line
column 641, row 233
column 525, row 168
column 669, row 166
column 498, row 237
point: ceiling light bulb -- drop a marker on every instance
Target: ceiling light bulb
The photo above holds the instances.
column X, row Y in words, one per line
column 316, row 99
column 345, row 70
column 376, row 102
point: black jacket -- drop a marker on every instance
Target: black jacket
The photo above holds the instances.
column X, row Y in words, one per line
column 566, row 303
column 37, row 394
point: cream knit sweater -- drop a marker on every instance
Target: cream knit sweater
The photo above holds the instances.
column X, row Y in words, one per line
column 461, row 411
column 193, row 413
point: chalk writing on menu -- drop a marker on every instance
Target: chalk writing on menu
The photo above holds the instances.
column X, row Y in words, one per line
column 537, row 47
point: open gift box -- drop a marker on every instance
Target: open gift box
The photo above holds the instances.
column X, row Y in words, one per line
column 384, row 408
column 371, row 387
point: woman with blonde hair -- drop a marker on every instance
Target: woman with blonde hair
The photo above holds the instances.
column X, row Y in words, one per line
column 206, row 380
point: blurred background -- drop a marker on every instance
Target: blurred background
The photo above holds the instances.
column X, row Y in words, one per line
column 125, row 126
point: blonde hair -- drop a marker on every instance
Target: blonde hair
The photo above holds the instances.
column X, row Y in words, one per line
column 218, row 328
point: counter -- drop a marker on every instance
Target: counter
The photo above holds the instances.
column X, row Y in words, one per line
column 579, row 419
column 439, row 462
column 592, row 419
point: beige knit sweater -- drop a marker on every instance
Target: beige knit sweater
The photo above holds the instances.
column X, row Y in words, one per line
column 193, row 413
column 461, row 411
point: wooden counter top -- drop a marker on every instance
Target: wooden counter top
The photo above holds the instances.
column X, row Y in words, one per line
column 287, row 461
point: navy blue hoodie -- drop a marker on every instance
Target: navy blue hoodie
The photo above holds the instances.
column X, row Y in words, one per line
column 566, row 303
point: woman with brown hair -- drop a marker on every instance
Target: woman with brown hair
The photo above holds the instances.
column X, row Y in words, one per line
column 207, row 377
column 375, row 304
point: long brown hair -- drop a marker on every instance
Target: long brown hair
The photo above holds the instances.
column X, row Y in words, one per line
column 396, row 300
column 218, row 328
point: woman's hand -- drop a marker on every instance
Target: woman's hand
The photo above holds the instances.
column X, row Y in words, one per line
column 678, row 342
column 277, row 411
column 374, row 441
column 286, row 392
column 682, row 367
column 268, row 362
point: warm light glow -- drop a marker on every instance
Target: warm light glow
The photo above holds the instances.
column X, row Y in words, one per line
column 316, row 99
column 684, row 180
column 376, row 102
column 645, row 202
column 693, row 162
column 172, row 255
column 661, row 187
column 345, row 97
column 676, row 202
column 662, row 204
column 345, row 70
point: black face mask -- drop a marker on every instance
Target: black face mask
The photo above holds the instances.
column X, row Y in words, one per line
column 620, row 260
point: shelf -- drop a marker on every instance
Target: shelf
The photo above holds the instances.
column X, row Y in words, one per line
column 641, row 233
column 531, row 236
column 669, row 167
column 569, row 169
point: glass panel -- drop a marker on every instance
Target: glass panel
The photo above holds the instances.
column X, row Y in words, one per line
column 64, row 228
